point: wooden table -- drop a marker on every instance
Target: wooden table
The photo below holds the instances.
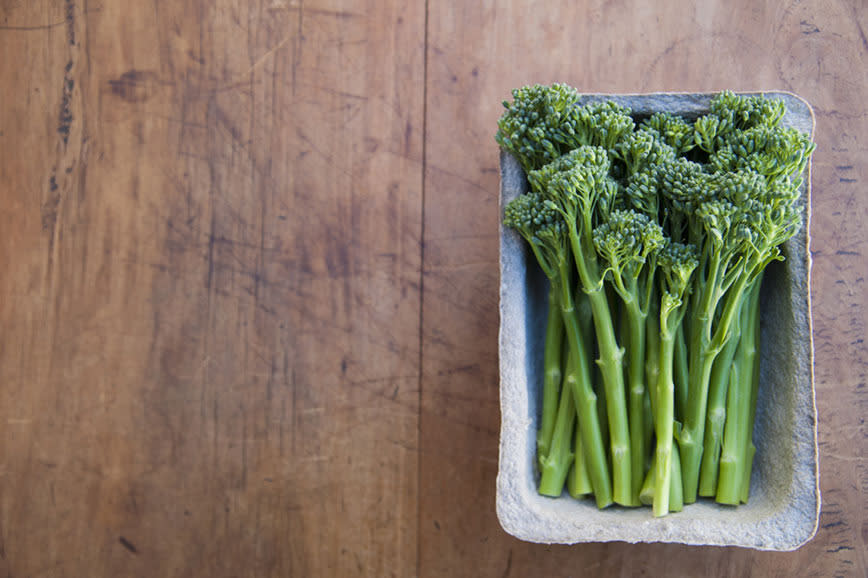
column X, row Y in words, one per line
column 248, row 276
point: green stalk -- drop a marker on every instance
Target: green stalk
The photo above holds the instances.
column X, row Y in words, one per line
column 676, row 495
column 704, row 348
column 664, row 419
column 602, row 413
column 680, row 374
column 552, row 374
column 676, row 492
column 736, row 446
column 652, row 371
column 693, row 431
column 636, row 384
column 678, row 266
column 652, row 375
column 699, row 370
column 610, row 363
column 584, row 398
column 731, row 461
column 557, row 463
column 652, row 352
column 648, row 430
column 754, row 327
column 579, row 479
column 715, row 416
column 646, row 493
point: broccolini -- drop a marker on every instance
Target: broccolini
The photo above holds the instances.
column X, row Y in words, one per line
column 657, row 228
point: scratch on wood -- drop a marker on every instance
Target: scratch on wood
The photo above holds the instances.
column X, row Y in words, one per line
column 70, row 22
column 128, row 545
column 50, row 206
column 269, row 52
column 508, row 565
column 336, row 14
column 134, row 85
column 861, row 32
column 65, row 121
column 340, row 93
column 34, row 27
column 808, row 27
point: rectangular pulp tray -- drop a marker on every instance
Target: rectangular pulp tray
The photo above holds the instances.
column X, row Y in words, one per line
column 783, row 509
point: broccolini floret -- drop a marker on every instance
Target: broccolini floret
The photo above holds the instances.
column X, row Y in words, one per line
column 673, row 130
column 642, row 150
column 544, row 122
column 538, row 124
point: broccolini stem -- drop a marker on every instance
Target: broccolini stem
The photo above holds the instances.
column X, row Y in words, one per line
column 731, row 462
column 602, row 413
column 646, row 494
column 690, row 440
column 652, row 353
column 680, row 373
column 610, row 363
column 736, row 441
column 676, row 492
column 754, row 327
column 636, row 381
column 715, row 417
column 699, row 370
column 664, row 423
column 704, row 349
column 648, row 423
column 552, row 375
column 556, row 464
column 585, row 399
column 678, row 262
column 579, row 479
column 676, row 496
column 703, row 308
column 732, row 308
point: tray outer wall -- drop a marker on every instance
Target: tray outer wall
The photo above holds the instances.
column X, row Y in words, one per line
column 783, row 510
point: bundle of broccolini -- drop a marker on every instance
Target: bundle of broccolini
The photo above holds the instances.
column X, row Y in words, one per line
column 654, row 239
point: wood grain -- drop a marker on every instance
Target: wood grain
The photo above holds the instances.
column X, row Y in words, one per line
column 210, row 288
column 478, row 52
column 248, row 275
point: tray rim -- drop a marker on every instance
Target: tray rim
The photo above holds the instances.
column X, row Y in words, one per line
column 663, row 529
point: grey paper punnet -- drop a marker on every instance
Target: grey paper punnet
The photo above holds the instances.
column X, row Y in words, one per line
column 784, row 505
